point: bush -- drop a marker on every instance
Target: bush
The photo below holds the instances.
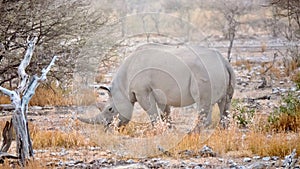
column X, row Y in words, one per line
column 287, row 116
column 242, row 115
column 296, row 79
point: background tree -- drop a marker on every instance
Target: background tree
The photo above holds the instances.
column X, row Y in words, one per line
column 61, row 26
column 288, row 11
column 231, row 11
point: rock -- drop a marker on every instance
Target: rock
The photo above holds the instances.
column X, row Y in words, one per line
column 131, row 166
column 275, row 158
column 293, row 89
column 36, row 108
column 130, row 161
column 258, row 165
column 94, row 148
column 221, row 159
column 256, row 157
column 247, row 160
column 207, row 151
column 198, row 167
column 7, row 107
column 275, row 91
column 290, row 160
column 266, row 158
column 283, row 90
column 232, row 164
column 186, row 153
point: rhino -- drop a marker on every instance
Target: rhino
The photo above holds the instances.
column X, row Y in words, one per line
column 160, row 76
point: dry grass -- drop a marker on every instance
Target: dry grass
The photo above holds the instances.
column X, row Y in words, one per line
column 276, row 144
column 296, row 79
column 290, row 66
column 55, row 96
column 44, row 139
column 54, row 138
column 234, row 143
column 45, row 96
column 263, row 46
column 274, row 70
column 50, row 95
column 286, row 123
column 243, row 62
column 4, row 99
column 32, row 164
column 85, row 97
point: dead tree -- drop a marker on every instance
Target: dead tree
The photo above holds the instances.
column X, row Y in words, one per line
column 20, row 98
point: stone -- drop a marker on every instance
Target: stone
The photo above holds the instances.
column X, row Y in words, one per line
column 258, row 165
column 131, row 166
column 256, row 157
column 266, row 158
column 247, row 160
column 275, row 158
column 207, row 151
column 130, row 161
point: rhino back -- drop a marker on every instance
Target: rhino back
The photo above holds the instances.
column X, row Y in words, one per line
column 172, row 70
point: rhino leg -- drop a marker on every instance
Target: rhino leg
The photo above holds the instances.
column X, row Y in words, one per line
column 223, row 105
column 166, row 112
column 204, row 118
column 148, row 103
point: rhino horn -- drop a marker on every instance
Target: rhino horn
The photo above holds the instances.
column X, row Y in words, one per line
column 92, row 120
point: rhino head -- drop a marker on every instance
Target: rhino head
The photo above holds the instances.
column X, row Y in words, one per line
column 107, row 115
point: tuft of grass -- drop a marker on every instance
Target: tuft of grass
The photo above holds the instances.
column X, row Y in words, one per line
column 56, row 138
column 46, row 95
column 4, row 99
column 263, row 46
column 31, row 164
column 276, row 144
column 235, row 143
column 296, row 79
column 243, row 62
column 287, row 116
column 45, row 139
column 50, row 95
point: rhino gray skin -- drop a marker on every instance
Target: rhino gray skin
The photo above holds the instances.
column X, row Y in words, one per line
column 163, row 76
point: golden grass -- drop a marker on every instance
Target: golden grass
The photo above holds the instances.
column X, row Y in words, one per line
column 44, row 139
column 234, row 143
column 54, row 96
column 244, row 62
column 54, row 138
column 46, row 95
column 276, row 144
column 290, row 67
column 263, row 46
column 31, row 164
column 4, row 99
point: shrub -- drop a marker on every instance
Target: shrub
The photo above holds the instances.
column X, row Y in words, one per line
column 242, row 115
column 287, row 116
column 296, row 79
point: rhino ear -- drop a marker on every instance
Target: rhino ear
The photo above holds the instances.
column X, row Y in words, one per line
column 106, row 88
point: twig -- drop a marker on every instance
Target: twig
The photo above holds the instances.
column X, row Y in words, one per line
column 273, row 62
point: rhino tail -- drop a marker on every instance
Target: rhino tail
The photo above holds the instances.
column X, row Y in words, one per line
column 92, row 120
column 231, row 84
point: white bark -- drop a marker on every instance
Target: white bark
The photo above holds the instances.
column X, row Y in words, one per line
column 23, row 77
column 20, row 100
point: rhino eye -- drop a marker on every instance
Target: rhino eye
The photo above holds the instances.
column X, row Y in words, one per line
column 110, row 109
